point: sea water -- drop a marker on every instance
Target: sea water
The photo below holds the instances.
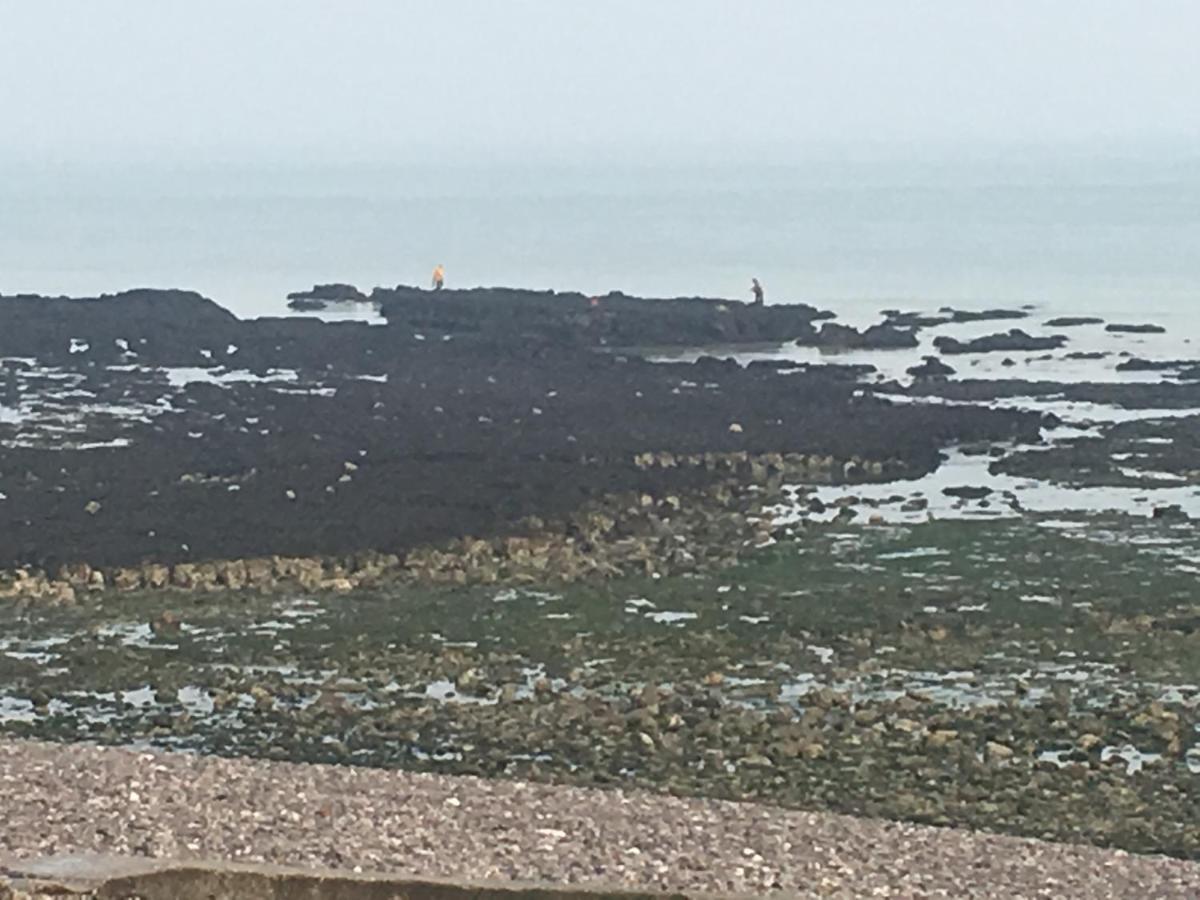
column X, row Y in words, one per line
column 1113, row 235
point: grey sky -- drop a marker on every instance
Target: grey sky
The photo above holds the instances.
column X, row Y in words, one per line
column 380, row 79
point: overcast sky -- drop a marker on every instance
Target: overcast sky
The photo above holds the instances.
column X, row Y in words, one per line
column 399, row 79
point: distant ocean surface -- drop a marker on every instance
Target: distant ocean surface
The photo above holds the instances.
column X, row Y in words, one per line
column 1114, row 237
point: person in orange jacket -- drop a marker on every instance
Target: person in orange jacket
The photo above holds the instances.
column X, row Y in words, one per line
column 439, row 277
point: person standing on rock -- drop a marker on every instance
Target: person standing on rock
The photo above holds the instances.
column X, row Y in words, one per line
column 439, row 277
column 757, row 289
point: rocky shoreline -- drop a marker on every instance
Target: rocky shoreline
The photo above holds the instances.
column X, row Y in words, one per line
column 488, row 537
column 153, row 429
column 613, row 536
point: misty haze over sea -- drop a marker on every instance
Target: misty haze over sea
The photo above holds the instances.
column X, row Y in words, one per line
column 1071, row 231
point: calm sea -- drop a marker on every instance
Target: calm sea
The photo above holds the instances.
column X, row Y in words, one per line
column 1114, row 236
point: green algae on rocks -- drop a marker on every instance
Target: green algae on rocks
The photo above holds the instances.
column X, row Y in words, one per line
column 1032, row 676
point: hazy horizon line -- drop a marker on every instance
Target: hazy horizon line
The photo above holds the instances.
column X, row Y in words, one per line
column 630, row 154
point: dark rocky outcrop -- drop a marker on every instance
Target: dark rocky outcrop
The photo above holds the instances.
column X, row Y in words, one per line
column 830, row 370
column 1073, row 321
column 384, row 438
column 907, row 319
column 1119, row 457
column 321, row 294
column 967, row 492
column 1135, row 329
column 932, row 367
column 307, row 304
column 1016, row 339
column 1148, row 395
column 984, row 315
column 875, row 337
column 1137, row 364
column 335, row 292
column 529, row 318
column 152, row 324
column 947, row 315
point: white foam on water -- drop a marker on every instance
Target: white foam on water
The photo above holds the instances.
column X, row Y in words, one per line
column 182, row 376
column 1053, row 365
column 1032, row 495
column 16, row 709
column 670, row 617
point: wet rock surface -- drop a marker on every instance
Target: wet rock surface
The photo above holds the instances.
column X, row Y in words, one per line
column 181, row 434
column 530, row 319
column 875, row 337
column 949, row 315
column 1015, row 339
column 1132, row 454
column 1141, row 328
column 1073, row 321
column 321, row 294
column 931, row 367
column 1149, row 395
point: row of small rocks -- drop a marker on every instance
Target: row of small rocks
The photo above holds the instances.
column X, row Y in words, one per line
column 760, row 468
column 622, row 533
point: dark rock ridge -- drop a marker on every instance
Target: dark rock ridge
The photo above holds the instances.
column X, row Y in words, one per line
column 384, row 438
column 932, row 367
column 175, row 328
column 321, row 294
column 1137, row 364
column 984, row 315
column 967, row 492
column 162, row 324
column 948, row 315
column 514, row 316
column 1073, row 321
column 843, row 372
column 875, row 337
column 1016, row 339
column 908, row 319
column 1151, row 395
column 303, row 304
column 1135, row 329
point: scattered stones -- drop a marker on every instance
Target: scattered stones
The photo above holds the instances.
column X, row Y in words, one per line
column 941, row 737
column 997, row 753
column 620, row 535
